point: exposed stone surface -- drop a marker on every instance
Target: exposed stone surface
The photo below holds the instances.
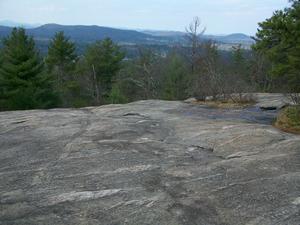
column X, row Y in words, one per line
column 272, row 101
column 148, row 162
column 190, row 100
column 265, row 101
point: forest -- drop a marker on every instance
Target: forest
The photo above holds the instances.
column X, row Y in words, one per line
column 103, row 74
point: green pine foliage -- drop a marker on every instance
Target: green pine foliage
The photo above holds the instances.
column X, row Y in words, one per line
column 104, row 60
column 116, row 96
column 23, row 85
column 238, row 58
column 61, row 62
column 279, row 39
column 175, row 86
column 61, row 53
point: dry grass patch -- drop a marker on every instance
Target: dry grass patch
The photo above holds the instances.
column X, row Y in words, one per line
column 289, row 120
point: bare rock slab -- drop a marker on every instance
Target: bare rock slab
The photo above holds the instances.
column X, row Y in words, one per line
column 145, row 163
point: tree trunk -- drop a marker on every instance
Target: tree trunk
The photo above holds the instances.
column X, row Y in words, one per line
column 97, row 92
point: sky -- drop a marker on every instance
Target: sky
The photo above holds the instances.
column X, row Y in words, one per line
column 218, row 16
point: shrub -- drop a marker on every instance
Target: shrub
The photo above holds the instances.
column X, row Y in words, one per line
column 289, row 119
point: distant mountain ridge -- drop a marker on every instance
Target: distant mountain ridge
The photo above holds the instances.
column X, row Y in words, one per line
column 10, row 23
column 81, row 33
column 88, row 34
column 234, row 38
column 162, row 33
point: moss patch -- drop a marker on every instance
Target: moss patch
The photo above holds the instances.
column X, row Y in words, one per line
column 289, row 119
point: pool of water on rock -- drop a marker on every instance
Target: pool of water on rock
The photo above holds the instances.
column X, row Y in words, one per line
column 251, row 114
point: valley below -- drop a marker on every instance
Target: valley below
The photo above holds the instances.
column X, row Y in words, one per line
column 149, row 162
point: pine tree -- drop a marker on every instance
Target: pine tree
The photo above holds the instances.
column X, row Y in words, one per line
column 240, row 65
column 23, row 85
column 104, row 60
column 279, row 39
column 238, row 56
column 61, row 55
column 61, row 61
column 175, row 85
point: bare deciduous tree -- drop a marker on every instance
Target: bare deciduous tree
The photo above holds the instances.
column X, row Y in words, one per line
column 193, row 36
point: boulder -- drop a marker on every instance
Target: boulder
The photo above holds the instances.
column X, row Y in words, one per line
column 190, row 100
column 267, row 101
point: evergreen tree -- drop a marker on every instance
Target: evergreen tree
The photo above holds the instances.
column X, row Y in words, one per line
column 175, row 79
column 61, row 61
column 279, row 39
column 240, row 65
column 104, row 60
column 23, row 85
column 238, row 57
column 61, row 54
column 116, row 96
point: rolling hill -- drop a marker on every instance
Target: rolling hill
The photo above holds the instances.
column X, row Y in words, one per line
column 80, row 33
column 87, row 34
column 159, row 41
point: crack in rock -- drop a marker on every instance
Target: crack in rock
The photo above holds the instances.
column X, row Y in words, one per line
column 197, row 147
column 134, row 114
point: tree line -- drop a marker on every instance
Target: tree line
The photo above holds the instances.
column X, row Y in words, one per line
column 62, row 78
column 103, row 75
column 278, row 39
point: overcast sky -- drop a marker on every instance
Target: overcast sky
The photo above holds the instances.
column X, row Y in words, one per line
column 218, row 16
